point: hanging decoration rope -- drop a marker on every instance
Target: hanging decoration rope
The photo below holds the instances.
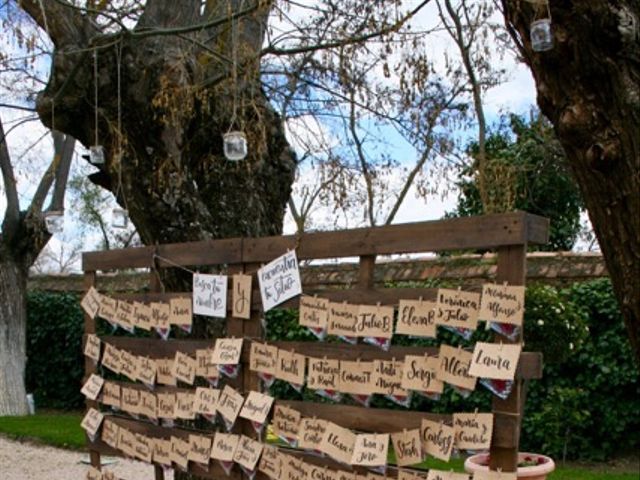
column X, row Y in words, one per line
column 96, row 151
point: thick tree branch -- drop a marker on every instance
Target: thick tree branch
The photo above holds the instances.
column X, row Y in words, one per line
column 63, row 24
column 48, row 177
column 12, row 212
column 62, row 174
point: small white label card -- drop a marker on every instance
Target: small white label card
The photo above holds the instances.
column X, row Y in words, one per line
column 263, row 358
column 248, row 452
column 279, row 280
column 437, row 439
column 91, row 422
column 92, row 347
column 210, row 295
column 230, row 404
column 227, row 351
column 291, row 367
column 241, row 296
column 375, row 321
column 224, row 446
column 206, row 401
column 489, row 475
column 502, row 303
column 286, row 423
column 199, row 449
column 164, row 372
column 458, row 309
column 495, row 360
column 407, row 447
column 93, row 385
column 162, row 451
column 91, row 302
column 441, row 475
column 142, row 316
column 111, row 394
column 417, row 318
column 454, row 367
column 338, row 443
column 270, row 463
column 370, row 450
column 357, row 377
column 314, row 312
column 184, row 368
column 343, row 319
column 420, row 374
column 166, row 405
column 256, row 407
column 311, row 433
column 181, row 313
column 148, row 404
column 184, row 405
column 473, row 430
column 180, row 452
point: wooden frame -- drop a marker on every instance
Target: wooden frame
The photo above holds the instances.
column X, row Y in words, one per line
column 507, row 234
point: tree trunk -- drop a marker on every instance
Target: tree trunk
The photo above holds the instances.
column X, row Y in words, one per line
column 589, row 87
column 13, row 347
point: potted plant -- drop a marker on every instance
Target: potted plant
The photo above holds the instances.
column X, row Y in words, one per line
column 531, row 466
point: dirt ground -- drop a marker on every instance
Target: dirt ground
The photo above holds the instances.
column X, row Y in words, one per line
column 29, row 461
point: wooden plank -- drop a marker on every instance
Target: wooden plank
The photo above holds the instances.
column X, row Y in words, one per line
column 155, row 348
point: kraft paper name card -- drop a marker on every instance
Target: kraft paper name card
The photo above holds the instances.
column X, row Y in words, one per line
column 441, row 475
column 205, row 367
column 454, row 367
column 338, row 443
column 420, row 374
column 93, row 385
column 210, row 295
column 437, row 439
column 91, row 302
column 411, row 475
column 129, row 365
column 248, row 452
column 160, row 315
column 292, row 468
column 184, row 368
column 206, row 401
column 164, row 372
column 184, row 405
column 143, row 448
column 388, row 378
column 199, row 449
column 256, row 407
column 473, row 430
column 314, row 312
column 417, row 318
column 495, row 360
column 162, row 451
column 502, row 303
column 108, row 308
column 241, row 296
column 180, row 452
column 343, row 319
column 227, row 351
column 92, row 421
column 279, row 280
column 324, row 374
column 458, row 309
column 356, row 378
column 407, row 447
column 311, row 433
column 166, row 405
column 148, row 404
column 263, row 358
column 286, row 422
column 130, row 401
column 111, row 358
column 230, row 404
column 147, row 370
column 127, row 442
column 270, row 462
column 495, row 475
column 142, row 316
column 111, row 394
column 110, row 433
column 181, row 313
column 92, row 347
column 124, row 315
column 375, row 321
column 370, row 450
column 224, row 446
column 291, row 367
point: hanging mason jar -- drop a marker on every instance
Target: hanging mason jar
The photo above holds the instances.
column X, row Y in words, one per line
column 235, row 145
column 541, row 35
column 96, row 154
column 54, row 221
column 119, row 218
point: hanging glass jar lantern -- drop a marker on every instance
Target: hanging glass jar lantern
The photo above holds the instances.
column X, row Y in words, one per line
column 96, row 154
column 54, row 221
column 235, row 145
column 119, row 218
column 541, row 35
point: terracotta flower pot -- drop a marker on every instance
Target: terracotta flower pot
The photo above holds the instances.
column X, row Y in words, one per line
column 543, row 465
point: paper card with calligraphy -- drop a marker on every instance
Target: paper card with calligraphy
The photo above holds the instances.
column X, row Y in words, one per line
column 263, row 359
column 164, row 372
column 227, row 351
column 324, row 377
column 248, row 453
column 286, row 424
column 357, row 377
column 387, row 379
column 93, row 385
column 270, row 462
column 111, row 358
column 130, row 401
column 241, row 296
column 199, row 449
column 206, row 402
column 166, row 405
column 457, row 309
column 91, row 302
column 92, row 347
column 110, row 433
column 473, row 430
column 344, row 475
column 489, row 475
column 181, row 314
column 161, row 318
column 124, row 315
column 127, row 442
column 495, row 360
column 311, row 433
column 229, row 405
column 291, row 368
column 314, row 314
column 143, row 448
column 292, row 468
column 343, row 321
column 338, row 443
column 148, row 405
column 129, row 365
column 375, row 321
column 108, row 309
column 210, row 295
column 256, row 407
column 441, row 475
column 184, row 368
column 142, row 316
column 147, row 371
column 94, row 474
column 370, row 450
column 205, row 367
column 184, row 405
column 407, row 447
column 111, row 395
column 279, row 280
column 162, row 451
column 224, row 446
column 412, row 475
column 180, row 452
column 454, row 367
column 91, row 422
column 437, row 439
column 417, row 318
column 420, row 374
column 502, row 303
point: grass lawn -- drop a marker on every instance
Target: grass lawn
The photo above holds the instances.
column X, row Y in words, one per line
column 63, row 430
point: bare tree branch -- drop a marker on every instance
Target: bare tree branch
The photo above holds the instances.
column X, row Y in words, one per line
column 63, row 24
column 12, row 212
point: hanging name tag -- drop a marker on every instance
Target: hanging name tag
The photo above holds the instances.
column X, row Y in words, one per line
column 286, row 424
column 224, row 446
column 375, row 321
column 248, row 453
column 437, row 439
column 343, row 321
column 206, row 401
column 311, row 433
column 130, row 400
column 111, row 358
column 92, row 347
column 458, row 309
column 256, row 407
column 454, row 367
column 495, row 360
column 230, row 404
column 291, row 367
column 417, row 318
column 199, row 449
column 111, row 394
column 370, row 450
column 420, row 374
column 180, row 452
column 263, row 358
column 270, row 462
column 147, row 371
column 184, row 405
column 181, row 314
column 148, row 405
column 210, row 295
column 129, row 365
column 314, row 314
column 279, row 280
column 91, row 422
column 356, row 378
column 161, row 318
column 127, row 442
column 143, row 448
column 227, row 351
column 124, row 315
column 338, row 443
column 205, row 367
column 407, row 447
column 502, row 303
column 412, row 475
column 473, row 430
column 110, row 433
column 184, row 368
column 440, row 475
column 241, row 296
column 388, row 378
column 91, row 302
column 108, row 308
column 167, row 405
column 164, row 372
column 324, row 377
column 162, row 451
column 142, row 315
column 93, row 385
